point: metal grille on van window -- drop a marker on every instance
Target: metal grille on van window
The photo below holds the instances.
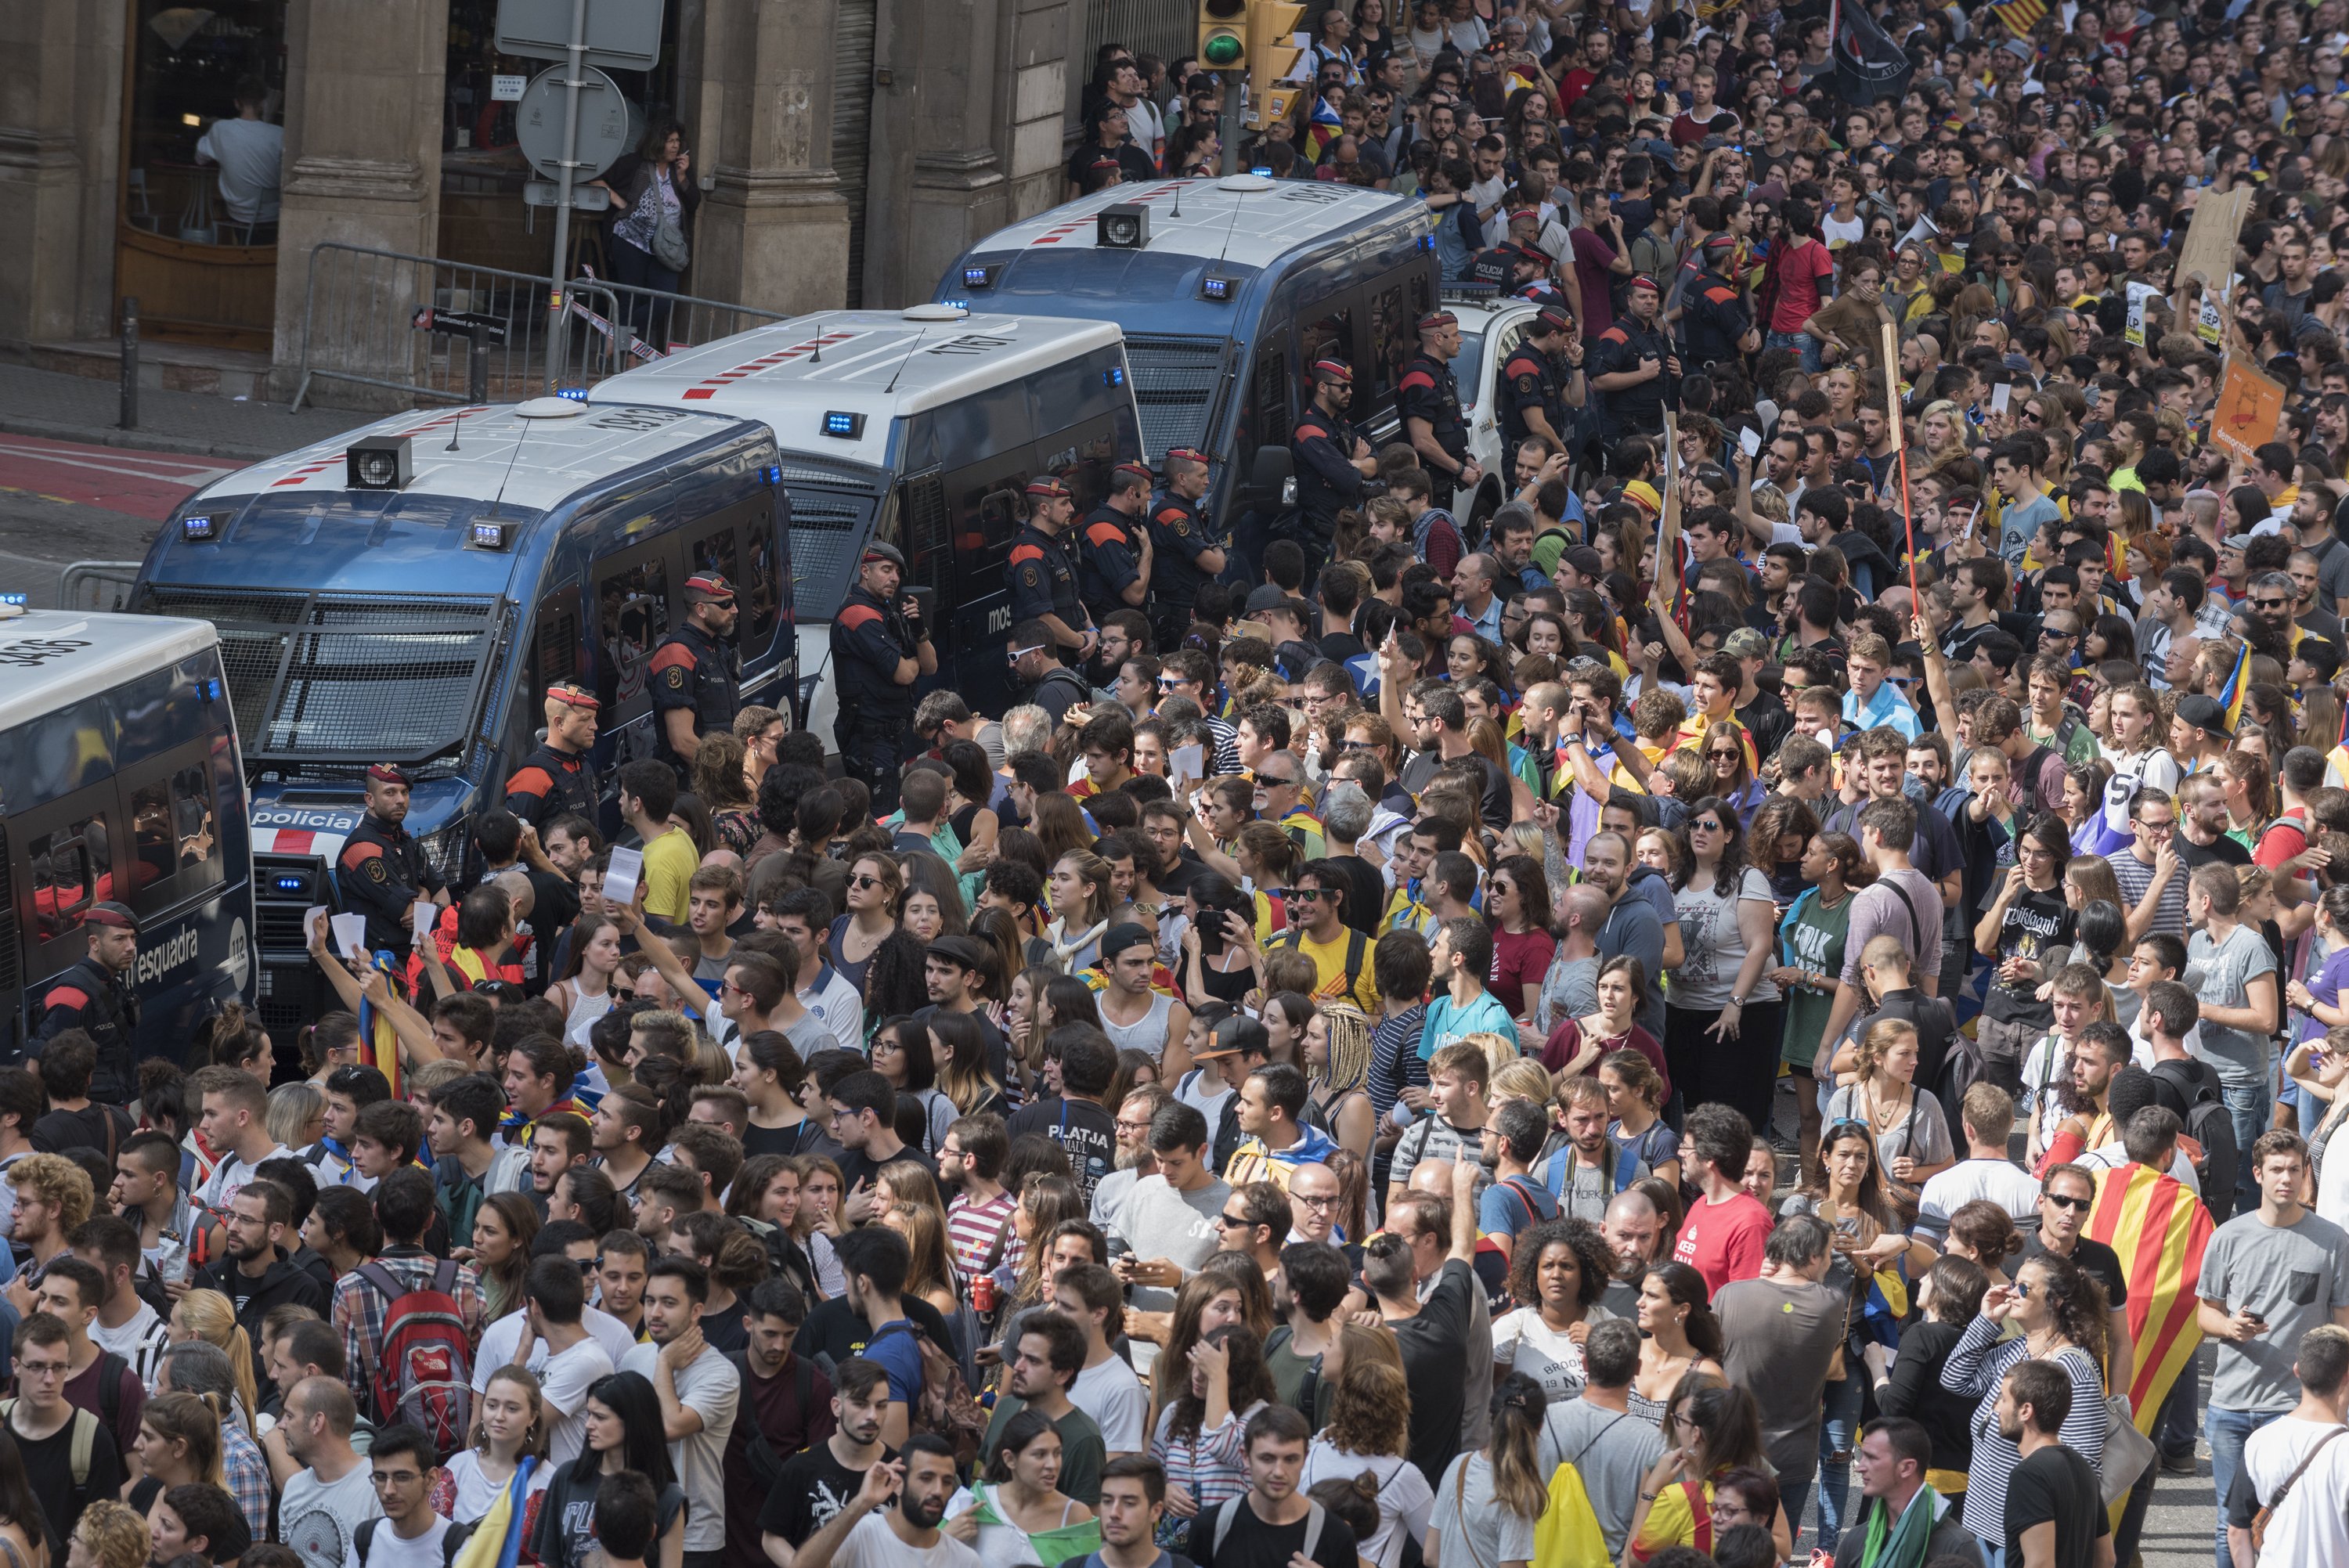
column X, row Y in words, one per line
column 558, row 648
column 827, row 531
column 1173, row 388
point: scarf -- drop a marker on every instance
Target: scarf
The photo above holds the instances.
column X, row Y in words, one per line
column 1902, row 1544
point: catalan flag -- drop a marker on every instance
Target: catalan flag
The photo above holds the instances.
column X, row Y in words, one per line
column 2238, row 681
column 2019, row 16
column 2160, row 1230
column 379, row 1041
column 496, row 1542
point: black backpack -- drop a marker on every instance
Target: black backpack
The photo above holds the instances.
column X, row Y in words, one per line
column 2191, row 1090
column 450, row 1543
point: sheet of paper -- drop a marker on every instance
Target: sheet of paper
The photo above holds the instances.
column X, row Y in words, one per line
column 311, row 918
column 350, row 936
column 1999, row 396
column 422, row 916
column 1750, row 440
column 1186, row 762
column 627, row 868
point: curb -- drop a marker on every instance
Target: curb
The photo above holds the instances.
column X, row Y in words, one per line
column 142, row 441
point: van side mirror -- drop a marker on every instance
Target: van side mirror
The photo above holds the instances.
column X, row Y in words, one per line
column 1272, row 471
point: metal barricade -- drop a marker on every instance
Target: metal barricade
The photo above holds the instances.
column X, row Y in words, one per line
column 362, row 323
column 97, row 585
column 647, row 323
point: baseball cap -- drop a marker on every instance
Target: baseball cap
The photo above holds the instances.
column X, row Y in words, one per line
column 1234, row 1034
column 2204, row 713
column 1745, row 643
column 1267, row 596
column 1114, row 940
column 960, row 951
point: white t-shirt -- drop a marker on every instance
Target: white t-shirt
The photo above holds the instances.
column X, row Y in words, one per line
column 317, row 1520
column 1523, row 1343
column 872, row 1544
column 140, row 1341
column 2002, row 1181
column 712, row 1387
column 476, row 1491
column 387, row 1549
column 1191, row 1090
column 2311, row 1526
column 1405, row 1500
column 564, row 1381
column 251, row 158
column 229, row 1177
column 2113, row 1156
column 1111, row 1395
column 499, row 1339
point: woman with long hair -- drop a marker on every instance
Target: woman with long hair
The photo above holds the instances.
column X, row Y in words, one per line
column 2030, row 917
column 933, row 906
column 512, row 1426
column 1015, row 1512
column 624, row 1433
column 584, row 992
column 1912, row 1140
column 1576, row 1045
column 179, row 1444
column 1045, row 1202
column 1636, row 1093
column 330, row 1043
column 1558, row 1272
column 1081, row 890
column 1025, row 1026
column 1337, row 1059
column 930, row 1274
column 1723, row 1017
column 1058, row 822
column 1950, row 1294
column 1222, row 959
column 209, row 1316
column 816, row 1222
column 896, row 982
column 965, row 1081
column 2063, row 1317
column 1217, row 1379
column 1942, row 433
column 1203, row 1304
column 1730, row 776
column 874, row 887
column 1517, row 908
column 768, row 1072
column 1714, row 1433
column 296, row 1116
column 724, row 789
column 1490, row 1500
column 1811, row 943
column 1675, row 1312
column 1984, row 1234
column 1369, row 1428
column 504, row 1226
column 901, row 1054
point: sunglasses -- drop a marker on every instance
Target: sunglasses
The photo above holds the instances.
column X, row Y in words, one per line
column 862, row 879
column 1019, row 653
column 2078, row 1206
column 1228, row 1222
column 1307, row 894
column 2269, row 604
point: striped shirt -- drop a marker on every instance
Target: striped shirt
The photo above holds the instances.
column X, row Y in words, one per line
column 971, row 1230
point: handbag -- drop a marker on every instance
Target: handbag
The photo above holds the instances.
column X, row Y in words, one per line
column 669, row 244
column 2127, row 1452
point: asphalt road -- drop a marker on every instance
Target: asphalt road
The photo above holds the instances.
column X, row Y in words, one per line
column 63, row 501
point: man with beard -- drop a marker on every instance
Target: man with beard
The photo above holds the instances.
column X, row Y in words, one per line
column 1631, row 927
column 824, row 1482
column 970, row 1158
column 862, row 1536
column 1584, row 1176
column 700, row 1394
column 1170, row 1222
column 1133, row 1157
column 1633, row 1228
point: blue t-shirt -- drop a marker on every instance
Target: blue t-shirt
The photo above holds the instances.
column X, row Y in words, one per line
column 1447, row 1022
column 893, row 1346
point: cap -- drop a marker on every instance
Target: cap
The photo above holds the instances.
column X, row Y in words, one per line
column 1549, row 320
column 1047, row 487
column 1518, row 213
column 960, row 951
column 1642, row 494
column 386, row 773
column 708, row 588
column 1236, row 1033
column 1745, row 643
column 1188, row 454
column 571, row 696
column 1437, row 320
column 2204, row 713
column 1137, row 470
column 106, row 912
column 1643, row 281
column 1336, row 370
column 1265, row 596
column 1114, row 940
column 1716, row 245
column 877, row 550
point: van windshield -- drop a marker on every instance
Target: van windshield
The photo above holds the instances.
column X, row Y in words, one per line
column 833, row 505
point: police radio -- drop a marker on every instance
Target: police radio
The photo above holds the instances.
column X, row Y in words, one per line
column 925, row 603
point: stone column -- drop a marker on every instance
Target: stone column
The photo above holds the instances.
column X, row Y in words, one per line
column 60, row 147
column 773, row 227
column 363, row 125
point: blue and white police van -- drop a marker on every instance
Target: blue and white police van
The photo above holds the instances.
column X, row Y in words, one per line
column 407, row 593
column 919, row 428
column 120, row 779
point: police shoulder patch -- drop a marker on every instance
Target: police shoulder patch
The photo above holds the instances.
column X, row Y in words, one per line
column 376, row 870
column 1528, row 383
column 674, row 677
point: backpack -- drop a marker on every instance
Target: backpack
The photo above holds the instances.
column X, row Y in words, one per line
column 80, row 1452
column 364, row 1537
column 759, row 1455
column 1309, row 1391
column 2204, row 1111
column 1358, row 948
column 1316, row 1516
column 425, row 1376
column 945, row 1407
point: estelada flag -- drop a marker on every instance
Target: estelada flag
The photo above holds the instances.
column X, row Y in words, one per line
column 2160, row 1230
column 1869, row 65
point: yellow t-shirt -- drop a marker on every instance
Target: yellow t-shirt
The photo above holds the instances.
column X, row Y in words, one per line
column 1672, row 1522
column 670, row 862
column 1330, row 967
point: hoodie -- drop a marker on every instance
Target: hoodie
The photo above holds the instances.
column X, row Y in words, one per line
column 1872, row 571
column 285, row 1283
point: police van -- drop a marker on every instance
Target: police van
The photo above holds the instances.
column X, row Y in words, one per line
column 1229, row 290
column 919, row 428
column 120, row 779
column 407, row 593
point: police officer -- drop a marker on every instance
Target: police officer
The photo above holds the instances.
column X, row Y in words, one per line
column 555, row 778
column 1430, row 397
column 880, row 647
column 1190, row 555
column 1635, row 369
column 1113, row 547
column 97, row 997
column 1044, row 577
column 696, row 676
column 1712, row 312
column 382, row 871
column 1542, row 378
column 1333, row 461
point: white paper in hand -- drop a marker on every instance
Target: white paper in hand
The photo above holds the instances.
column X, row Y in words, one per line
column 421, row 917
column 1750, row 440
column 350, row 936
column 1186, row 762
column 1999, row 396
column 314, row 922
column 620, row 879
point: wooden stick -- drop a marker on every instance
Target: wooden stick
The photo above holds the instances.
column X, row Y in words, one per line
column 1900, row 447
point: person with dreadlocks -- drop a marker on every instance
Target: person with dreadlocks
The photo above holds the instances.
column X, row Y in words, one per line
column 1337, row 1061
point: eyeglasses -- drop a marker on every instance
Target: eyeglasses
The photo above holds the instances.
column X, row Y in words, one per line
column 2078, row 1205
column 863, row 880
column 1330, row 1202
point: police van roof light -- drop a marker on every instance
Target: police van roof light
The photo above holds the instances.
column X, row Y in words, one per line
column 576, row 394
column 1217, row 288
column 982, row 276
column 378, row 463
column 846, row 426
column 198, row 529
column 489, row 536
column 1125, row 226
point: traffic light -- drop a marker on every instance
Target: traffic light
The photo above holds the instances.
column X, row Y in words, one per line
column 1272, row 59
column 1223, row 42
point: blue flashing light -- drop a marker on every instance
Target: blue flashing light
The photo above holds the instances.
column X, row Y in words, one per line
column 576, row 394
column 289, row 885
column 981, row 276
column 198, row 529
column 18, row 600
column 210, row 690
column 961, row 304
column 846, row 426
column 1114, row 377
column 1219, row 290
column 1427, row 242
column 772, row 473
column 1264, row 170
column 489, row 536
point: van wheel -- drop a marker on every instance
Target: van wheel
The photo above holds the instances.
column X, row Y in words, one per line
column 1480, row 511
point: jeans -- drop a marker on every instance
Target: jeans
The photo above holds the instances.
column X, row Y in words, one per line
column 2228, row 1431
column 1837, row 1430
column 2250, row 1109
column 1993, row 1551
column 1813, row 352
column 647, row 317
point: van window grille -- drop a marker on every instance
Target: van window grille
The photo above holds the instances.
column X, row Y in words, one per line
column 1173, row 388
column 828, row 529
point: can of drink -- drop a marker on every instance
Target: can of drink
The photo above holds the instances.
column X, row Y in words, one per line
column 982, row 1293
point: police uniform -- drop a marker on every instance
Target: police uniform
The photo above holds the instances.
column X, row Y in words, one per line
column 1633, row 410
column 104, row 1006
column 1493, row 268
column 1528, row 383
column 1043, row 575
column 1327, row 479
column 1429, row 391
column 1109, row 561
column 1179, row 535
column 870, row 637
column 552, row 781
column 382, row 873
column 1713, row 314
column 691, row 669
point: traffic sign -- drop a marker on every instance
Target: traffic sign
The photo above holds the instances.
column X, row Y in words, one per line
column 621, row 35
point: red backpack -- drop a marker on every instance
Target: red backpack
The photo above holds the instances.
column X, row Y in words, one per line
column 425, row 1376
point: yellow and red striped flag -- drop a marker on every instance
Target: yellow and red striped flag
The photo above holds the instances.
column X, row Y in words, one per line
column 2159, row 1229
column 2019, row 16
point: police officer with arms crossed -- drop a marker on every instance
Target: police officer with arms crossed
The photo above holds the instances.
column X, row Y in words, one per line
column 382, row 871
column 1714, row 316
column 555, row 778
column 880, row 647
column 1043, row 577
column 696, row 677
column 1114, row 573
column 1431, row 405
column 98, row 998
column 1534, row 397
column 1188, row 555
column 1634, row 369
column 1332, row 461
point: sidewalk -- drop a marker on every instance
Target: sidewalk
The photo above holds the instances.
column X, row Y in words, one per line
column 79, row 408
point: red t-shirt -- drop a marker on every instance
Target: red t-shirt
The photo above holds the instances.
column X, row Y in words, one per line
column 1723, row 1242
column 1799, row 276
column 1520, row 960
column 2286, row 837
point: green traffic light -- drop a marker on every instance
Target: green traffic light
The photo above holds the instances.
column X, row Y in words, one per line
column 1222, row 51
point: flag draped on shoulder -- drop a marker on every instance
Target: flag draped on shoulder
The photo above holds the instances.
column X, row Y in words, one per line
column 1869, row 65
column 2160, row 1230
column 379, row 1041
column 2238, row 681
column 496, row 1542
